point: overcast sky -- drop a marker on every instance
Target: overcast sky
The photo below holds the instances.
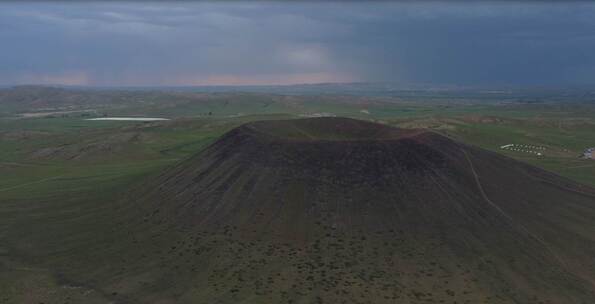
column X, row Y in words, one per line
column 207, row 43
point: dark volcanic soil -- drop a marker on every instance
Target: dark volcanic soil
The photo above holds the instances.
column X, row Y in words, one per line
column 339, row 210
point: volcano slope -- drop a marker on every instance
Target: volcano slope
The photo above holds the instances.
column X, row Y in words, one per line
column 344, row 211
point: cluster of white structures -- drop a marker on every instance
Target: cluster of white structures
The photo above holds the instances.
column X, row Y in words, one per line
column 524, row 148
column 589, row 153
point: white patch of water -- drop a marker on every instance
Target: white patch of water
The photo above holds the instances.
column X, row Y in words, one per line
column 129, row 118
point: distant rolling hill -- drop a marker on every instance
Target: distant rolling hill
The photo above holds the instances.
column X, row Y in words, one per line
column 336, row 210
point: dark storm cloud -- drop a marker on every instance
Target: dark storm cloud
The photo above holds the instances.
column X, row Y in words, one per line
column 148, row 43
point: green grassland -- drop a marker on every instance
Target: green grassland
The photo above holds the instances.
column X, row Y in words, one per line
column 63, row 225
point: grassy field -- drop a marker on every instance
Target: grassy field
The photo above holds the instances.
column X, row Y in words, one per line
column 60, row 218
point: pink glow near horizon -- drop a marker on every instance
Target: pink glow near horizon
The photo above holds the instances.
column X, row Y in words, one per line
column 83, row 78
column 302, row 78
